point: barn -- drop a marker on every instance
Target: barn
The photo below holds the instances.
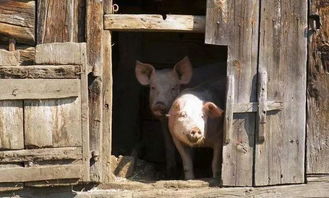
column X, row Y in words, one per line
column 75, row 122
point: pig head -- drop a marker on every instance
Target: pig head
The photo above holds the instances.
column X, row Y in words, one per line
column 164, row 84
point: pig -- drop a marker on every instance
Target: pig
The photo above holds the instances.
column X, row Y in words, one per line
column 165, row 85
column 195, row 119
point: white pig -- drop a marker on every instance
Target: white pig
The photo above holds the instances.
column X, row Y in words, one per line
column 196, row 120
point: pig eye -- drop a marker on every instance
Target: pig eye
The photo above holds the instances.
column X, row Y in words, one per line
column 203, row 116
column 152, row 87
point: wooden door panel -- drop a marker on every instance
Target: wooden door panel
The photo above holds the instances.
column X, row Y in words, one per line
column 280, row 158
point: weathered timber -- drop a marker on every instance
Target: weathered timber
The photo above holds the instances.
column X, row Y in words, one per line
column 40, row 173
column 18, row 89
column 65, row 153
column 280, row 159
column 52, row 183
column 11, row 186
column 262, row 97
column 237, row 167
column 12, row 45
column 106, row 148
column 60, row 53
column 52, row 123
column 95, row 47
column 228, row 121
column 41, row 72
column 17, row 20
column 84, row 119
column 94, row 34
column 57, row 21
column 26, row 54
column 253, row 106
column 218, row 28
column 318, row 92
column 9, row 57
column 154, row 23
column 11, row 125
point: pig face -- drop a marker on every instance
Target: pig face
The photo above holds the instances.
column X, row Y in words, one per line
column 188, row 118
column 164, row 84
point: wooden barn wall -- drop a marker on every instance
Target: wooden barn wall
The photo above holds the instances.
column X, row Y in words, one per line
column 318, row 91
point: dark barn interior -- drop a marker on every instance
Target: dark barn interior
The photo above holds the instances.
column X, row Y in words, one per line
column 134, row 127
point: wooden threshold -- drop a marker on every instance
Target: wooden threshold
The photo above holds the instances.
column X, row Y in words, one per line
column 154, row 23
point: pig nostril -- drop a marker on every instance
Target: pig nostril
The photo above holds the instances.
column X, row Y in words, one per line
column 199, row 132
column 193, row 132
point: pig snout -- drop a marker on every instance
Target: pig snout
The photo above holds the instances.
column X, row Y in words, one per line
column 159, row 109
column 194, row 135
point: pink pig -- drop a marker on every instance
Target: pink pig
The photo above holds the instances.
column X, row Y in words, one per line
column 196, row 120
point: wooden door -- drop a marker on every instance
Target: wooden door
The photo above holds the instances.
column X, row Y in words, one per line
column 280, row 158
column 266, row 89
column 44, row 135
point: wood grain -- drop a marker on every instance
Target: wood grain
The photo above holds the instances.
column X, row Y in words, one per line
column 40, row 173
column 11, row 125
column 237, row 167
column 9, row 57
column 59, row 53
column 218, row 28
column 52, row 123
column 46, row 154
column 57, row 21
column 280, row 159
column 318, row 93
column 40, row 72
column 154, row 23
column 17, row 20
column 18, row 89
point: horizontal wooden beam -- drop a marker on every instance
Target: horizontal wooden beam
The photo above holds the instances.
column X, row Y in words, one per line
column 60, row 53
column 154, row 23
column 39, row 173
column 253, row 107
column 20, row 89
column 45, row 154
column 17, row 20
column 41, row 72
column 9, row 57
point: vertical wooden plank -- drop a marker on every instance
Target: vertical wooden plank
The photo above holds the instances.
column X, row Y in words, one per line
column 11, row 125
column 107, row 98
column 85, row 116
column 228, row 122
column 57, row 21
column 262, row 97
column 318, row 92
column 237, row 164
column 218, row 28
column 95, row 46
column 52, row 123
column 283, row 43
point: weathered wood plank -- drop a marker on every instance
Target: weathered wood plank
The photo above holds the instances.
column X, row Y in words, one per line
column 94, row 35
column 57, row 21
column 218, row 28
column 280, row 159
column 40, row 173
column 318, row 93
column 52, row 183
column 237, row 167
column 9, row 57
column 26, row 54
column 95, row 47
column 11, row 125
column 18, row 89
column 41, row 72
column 154, row 23
column 106, row 148
column 84, row 112
column 228, row 121
column 17, row 20
column 253, row 106
column 59, row 53
column 262, row 97
column 52, row 123
column 73, row 153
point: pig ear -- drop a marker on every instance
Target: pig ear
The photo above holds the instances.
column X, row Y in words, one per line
column 212, row 110
column 144, row 72
column 184, row 70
